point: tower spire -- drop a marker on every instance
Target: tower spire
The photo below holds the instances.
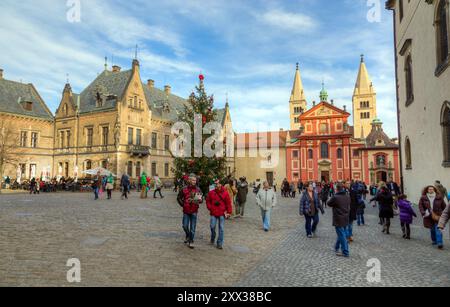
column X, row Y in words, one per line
column 323, row 93
column 297, row 102
column 106, row 63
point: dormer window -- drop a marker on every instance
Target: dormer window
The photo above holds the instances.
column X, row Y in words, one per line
column 27, row 105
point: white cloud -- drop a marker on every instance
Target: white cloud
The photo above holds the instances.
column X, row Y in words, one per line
column 296, row 22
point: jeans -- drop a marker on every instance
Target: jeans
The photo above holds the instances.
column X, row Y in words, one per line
column 436, row 236
column 213, row 224
column 342, row 243
column 266, row 218
column 350, row 230
column 361, row 220
column 311, row 224
column 96, row 193
column 189, row 226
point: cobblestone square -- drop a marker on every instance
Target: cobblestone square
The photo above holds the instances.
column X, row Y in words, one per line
column 140, row 243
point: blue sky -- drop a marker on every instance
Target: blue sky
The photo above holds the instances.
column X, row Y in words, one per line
column 246, row 48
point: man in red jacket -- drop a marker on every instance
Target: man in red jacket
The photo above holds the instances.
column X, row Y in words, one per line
column 190, row 199
column 219, row 205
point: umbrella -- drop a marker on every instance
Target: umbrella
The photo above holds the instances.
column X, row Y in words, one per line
column 95, row 171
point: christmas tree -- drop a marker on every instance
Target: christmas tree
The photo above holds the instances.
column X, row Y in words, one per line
column 206, row 168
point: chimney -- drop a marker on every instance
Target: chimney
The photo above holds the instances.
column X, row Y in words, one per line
column 345, row 108
column 150, row 83
column 168, row 89
column 116, row 68
column 314, row 103
column 1, row 74
column 332, row 102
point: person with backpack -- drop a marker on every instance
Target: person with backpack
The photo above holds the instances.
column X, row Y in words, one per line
column 241, row 198
column 143, row 182
column 190, row 198
column 385, row 199
column 219, row 205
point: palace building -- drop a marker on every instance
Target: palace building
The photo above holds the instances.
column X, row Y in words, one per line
column 117, row 122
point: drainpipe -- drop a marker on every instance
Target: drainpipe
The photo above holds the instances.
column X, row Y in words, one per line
column 400, row 140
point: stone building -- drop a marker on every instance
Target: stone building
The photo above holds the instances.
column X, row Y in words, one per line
column 30, row 124
column 421, row 30
column 117, row 122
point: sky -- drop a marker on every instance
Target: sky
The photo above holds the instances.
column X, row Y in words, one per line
column 247, row 49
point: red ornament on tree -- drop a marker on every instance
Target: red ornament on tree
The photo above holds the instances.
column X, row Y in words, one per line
column 191, row 162
column 204, row 119
column 201, row 77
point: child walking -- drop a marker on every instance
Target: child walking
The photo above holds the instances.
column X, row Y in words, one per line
column 406, row 216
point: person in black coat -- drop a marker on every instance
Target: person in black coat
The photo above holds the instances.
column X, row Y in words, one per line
column 341, row 213
column 386, row 203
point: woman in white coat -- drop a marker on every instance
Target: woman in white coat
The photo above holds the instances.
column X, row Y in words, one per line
column 266, row 199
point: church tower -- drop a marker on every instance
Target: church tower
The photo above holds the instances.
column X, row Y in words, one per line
column 364, row 103
column 297, row 103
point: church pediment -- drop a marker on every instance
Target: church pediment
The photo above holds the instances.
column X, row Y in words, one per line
column 324, row 110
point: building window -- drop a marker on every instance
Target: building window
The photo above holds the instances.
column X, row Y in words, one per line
column 130, row 169
column 408, row 153
column 442, row 32
column 166, row 170
column 296, row 120
column 34, row 139
column 310, row 154
column 339, row 153
column 409, row 80
column 138, row 137
column 105, row 136
column 295, row 154
column 90, row 137
column 138, row 168
column 88, row 165
column 105, row 164
column 23, row 170
column 324, row 151
column 130, row 136
column 356, row 153
column 66, row 170
column 23, row 138
column 61, row 139
column 446, row 133
column 167, row 142
column 400, row 10
column 154, row 140
column 153, row 169
column 68, row 136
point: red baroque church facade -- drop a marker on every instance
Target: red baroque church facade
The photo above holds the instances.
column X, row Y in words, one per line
column 321, row 145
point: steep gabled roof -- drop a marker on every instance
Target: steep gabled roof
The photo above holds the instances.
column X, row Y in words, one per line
column 378, row 138
column 12, row 94
column 112, row 83
column 164, row 106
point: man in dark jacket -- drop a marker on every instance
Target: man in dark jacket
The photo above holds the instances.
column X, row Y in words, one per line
column 241, row 198
column 341, row 214
column 125, row 184
column 356, row 202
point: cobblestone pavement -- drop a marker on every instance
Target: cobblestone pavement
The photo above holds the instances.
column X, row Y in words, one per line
column 139, row 243
column 302, row 262
column 126, row 243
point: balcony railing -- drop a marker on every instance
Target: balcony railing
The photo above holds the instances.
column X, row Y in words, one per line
column 138, row 150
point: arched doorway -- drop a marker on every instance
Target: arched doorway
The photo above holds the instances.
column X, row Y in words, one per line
column 381, row 176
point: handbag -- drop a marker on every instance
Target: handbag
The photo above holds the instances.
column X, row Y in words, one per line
column 435, row 217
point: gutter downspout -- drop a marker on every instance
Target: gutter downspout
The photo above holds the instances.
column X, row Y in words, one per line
column 400, row 142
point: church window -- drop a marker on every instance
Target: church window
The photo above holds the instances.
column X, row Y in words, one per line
column 339, row 153
column 446, row 133
column 409, row 80
column 130, row 169
column 324, row 151
column 296, row 120
column 442, row 32
column 408, row 153
column 310, row 154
